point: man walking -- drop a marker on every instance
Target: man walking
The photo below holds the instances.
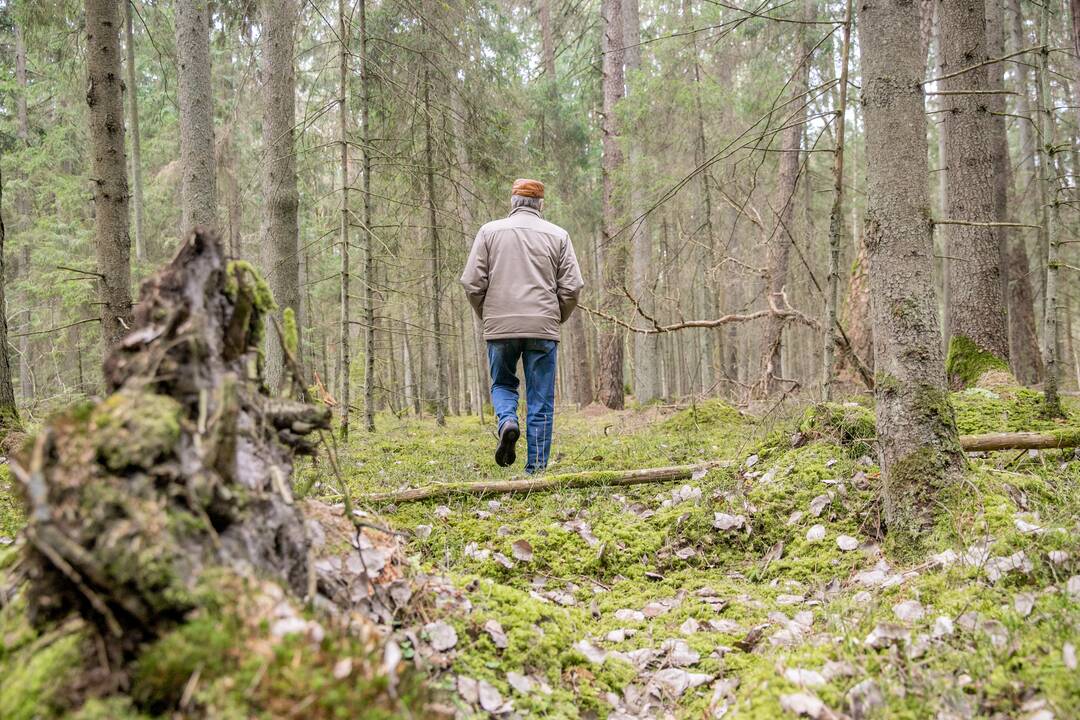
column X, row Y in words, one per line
column 523, row 281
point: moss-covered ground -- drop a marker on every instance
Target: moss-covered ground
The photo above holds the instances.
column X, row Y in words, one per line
column 654, row 549
column 602, row 592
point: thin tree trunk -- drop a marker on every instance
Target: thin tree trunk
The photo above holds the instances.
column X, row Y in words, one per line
column 195, row 95
column 108, row 167
column 646, row 380
column 1048, row 217
column 1024, row 353
column 920, row 452
column 784, row 207
column 836, row 215
column 136, row 141
column 9, row 413
column 23, row 210
column 345, row 358
column 369, row 249
column 279, row 222
column 612, row 246
column 977, row 315
column 436, row 256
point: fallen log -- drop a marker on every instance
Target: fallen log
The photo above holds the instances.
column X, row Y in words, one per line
column 593, row 478
column 1053, row 440
column 673, row 473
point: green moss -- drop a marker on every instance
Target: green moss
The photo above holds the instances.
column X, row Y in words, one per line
column 967, row 362
column 847, row 424
column 292, row 335
column 708, row 413
column 1006, row 409
column 11, row 508
column 135, row 428
column 242, row 271
column 33, row 676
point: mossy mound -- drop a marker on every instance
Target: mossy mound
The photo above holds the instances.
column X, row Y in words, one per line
column 848, row 424
column 711, row 413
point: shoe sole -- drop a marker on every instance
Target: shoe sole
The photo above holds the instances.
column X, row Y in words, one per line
column 505, row 454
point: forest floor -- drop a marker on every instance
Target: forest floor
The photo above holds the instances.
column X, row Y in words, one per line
column 759, row 589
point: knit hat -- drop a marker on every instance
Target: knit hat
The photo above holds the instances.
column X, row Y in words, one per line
column 528, row 188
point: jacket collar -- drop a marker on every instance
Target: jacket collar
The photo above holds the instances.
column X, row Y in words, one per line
column 523, row 208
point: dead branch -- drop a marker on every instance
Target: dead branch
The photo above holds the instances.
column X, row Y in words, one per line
column 597, row 478
column 1018, row 441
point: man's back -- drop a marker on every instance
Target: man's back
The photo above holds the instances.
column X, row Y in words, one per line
column 522, row 276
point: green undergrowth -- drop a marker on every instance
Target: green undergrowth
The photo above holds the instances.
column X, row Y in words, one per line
column 642, row 545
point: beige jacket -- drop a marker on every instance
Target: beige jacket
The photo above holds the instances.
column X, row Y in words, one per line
column 522, row 277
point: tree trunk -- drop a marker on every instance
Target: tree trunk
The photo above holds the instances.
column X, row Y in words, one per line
column 784, row 206
column 612, row 247
column 977, row 322
column 836, row 215
column 9, row 413
column 108, row 167
column 646, row 380
column 365, row 217
column 345, row 359
column 136, row 141
column 1048, row 217
column 23, row 210
column 1024, row 355
column 279, row 219
column 916, row 430
column 439, row 361
column 196, row 98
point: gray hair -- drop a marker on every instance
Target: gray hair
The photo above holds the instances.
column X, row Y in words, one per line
column 519, row 201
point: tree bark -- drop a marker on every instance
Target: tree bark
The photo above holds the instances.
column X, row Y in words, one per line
column 365, row 217
column 1048, row 217
column 345, row 358
column 646, row 380
column 23, row 209
column 279, row 227
column 920, row 452
column 612, row 247
column 784, row 207
column 836, row 215
column 136, row 140
column 436, row 255
column 9, row 413
column 977, row 314
column 195, row 95
column 108, row 167
column 1024, row 354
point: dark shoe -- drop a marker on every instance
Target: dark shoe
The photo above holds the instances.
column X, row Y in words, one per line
column 508, row 437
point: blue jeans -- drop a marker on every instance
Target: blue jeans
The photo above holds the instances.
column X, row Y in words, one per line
column 538, row 358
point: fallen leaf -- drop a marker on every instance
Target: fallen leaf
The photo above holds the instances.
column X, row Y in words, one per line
column 909, row 610
column 816, row 533
column 943, row 627
column 441, row 635
column 1068, row 655
column 522, row 550
column 679, row 653
column 592, row 653
column 490, row 698
column 442, row 512
column 803, row 704
column 795, row 517
column 673, row 682
column 689, row 626
column 804, row 678
column 724, row 521
column 628, row 615
column 495, row 630
column 468, row 689
column 847, row 543
column 519, row 682
column 885, row 634
column 1024, row 603
column 423, row 531
column 817, row 505
column 503, row 560
column 863, row 698
column 342, row 668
